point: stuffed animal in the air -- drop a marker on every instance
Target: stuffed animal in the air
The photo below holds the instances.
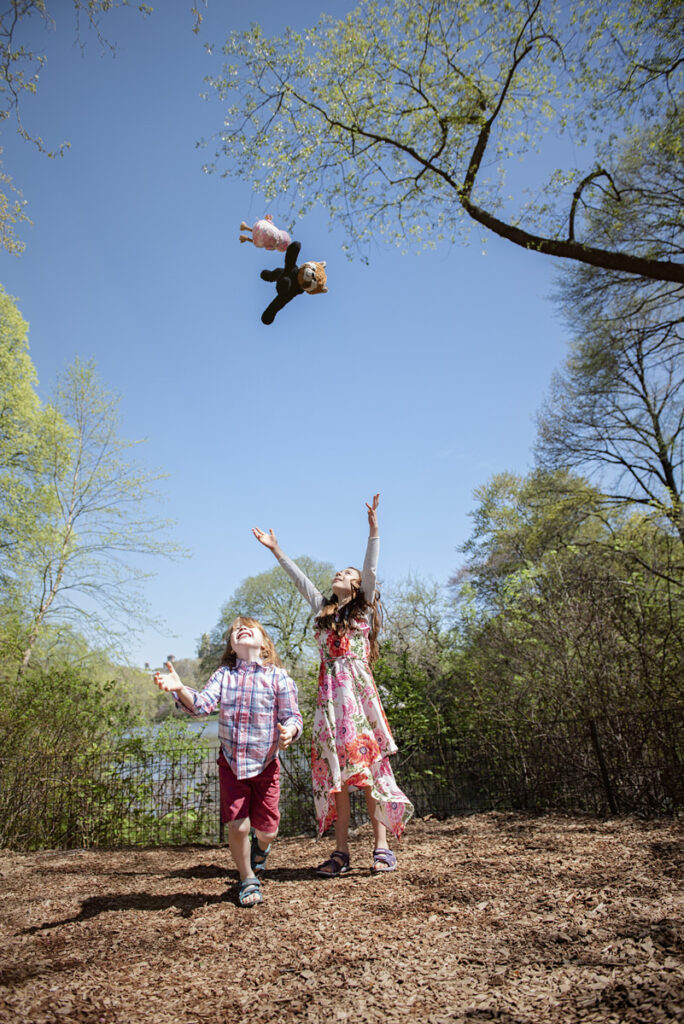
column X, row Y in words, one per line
column 265, row 235
column 292, row 280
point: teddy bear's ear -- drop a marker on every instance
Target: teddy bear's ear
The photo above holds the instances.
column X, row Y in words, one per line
column 323, row 264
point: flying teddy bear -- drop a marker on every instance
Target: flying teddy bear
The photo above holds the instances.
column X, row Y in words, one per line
column 265, row 235
column 292, row 280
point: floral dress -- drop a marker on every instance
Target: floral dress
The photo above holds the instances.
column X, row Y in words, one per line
column 352, row 740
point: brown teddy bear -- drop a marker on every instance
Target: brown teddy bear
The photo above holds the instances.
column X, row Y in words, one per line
column 292, row 280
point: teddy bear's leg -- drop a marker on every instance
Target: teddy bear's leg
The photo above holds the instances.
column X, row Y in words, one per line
column 246, row 238
column 245, row 227
column 269, row 314
column 270, row 275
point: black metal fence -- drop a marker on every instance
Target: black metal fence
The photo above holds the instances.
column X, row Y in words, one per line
column 617, row 764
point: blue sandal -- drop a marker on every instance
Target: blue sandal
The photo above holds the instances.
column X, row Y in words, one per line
column 257, row 856
column 383, row 861
column 337, row 864
column 250, row 887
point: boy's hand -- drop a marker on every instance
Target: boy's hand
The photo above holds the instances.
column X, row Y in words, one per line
column 286, row 736
column 269, row 540
column 168, row 681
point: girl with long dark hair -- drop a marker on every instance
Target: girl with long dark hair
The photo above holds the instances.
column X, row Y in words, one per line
column 352, row 741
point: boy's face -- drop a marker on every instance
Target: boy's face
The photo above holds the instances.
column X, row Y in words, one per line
column 246, row 641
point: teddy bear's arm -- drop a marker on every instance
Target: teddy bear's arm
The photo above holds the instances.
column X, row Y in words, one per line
column 292, row 255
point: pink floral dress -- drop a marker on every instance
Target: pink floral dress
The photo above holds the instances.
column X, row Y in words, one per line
column 352, row 740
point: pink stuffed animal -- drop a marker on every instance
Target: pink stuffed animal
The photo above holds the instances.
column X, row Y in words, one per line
column 265, row 235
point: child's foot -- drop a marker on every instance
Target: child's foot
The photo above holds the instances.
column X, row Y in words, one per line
column 257, row 856
column 336, row 864
column 383, row 861
column 249, row 893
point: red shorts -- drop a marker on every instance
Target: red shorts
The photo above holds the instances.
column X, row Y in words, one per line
column 256, row 798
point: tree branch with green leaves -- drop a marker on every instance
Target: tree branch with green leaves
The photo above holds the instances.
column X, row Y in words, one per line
column 404, row 119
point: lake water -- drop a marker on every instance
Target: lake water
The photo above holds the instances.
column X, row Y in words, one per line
column 207, row 727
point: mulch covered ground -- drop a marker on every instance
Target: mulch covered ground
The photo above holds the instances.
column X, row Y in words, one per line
column 496, row 917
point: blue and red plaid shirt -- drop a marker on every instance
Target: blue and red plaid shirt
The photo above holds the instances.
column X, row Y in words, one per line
column 251, row 699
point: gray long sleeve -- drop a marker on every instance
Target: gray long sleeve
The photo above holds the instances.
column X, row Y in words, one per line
column 314, row 596
column 370, row 569
column 303, row 584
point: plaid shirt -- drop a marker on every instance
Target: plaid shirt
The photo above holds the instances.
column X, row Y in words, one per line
column 252, row 699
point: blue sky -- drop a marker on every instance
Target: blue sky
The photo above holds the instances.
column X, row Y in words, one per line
column 417, row 376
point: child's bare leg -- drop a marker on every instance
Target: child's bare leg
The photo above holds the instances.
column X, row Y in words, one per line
column 341, row 832
column 342, row 820
column 238, row 840
column 264, row 839
column 379, row 830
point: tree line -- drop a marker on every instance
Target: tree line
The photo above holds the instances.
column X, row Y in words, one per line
column 565, row 602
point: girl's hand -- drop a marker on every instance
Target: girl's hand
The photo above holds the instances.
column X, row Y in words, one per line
column 373, row 515
column 269, row 540
column 286, row 736
column 168, row 681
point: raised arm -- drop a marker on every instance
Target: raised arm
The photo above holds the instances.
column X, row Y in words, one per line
column 370, row 562
column 170, row 682
column 300, row 580
column 197, row 704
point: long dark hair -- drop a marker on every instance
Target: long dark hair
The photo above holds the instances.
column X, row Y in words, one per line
column 339, row 619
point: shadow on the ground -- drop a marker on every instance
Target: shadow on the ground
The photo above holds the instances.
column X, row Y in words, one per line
column 184, row 902
column 215, row 871
column 203, row 871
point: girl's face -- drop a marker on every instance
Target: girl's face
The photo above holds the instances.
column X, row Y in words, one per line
column 345, row 583
column 244, row 638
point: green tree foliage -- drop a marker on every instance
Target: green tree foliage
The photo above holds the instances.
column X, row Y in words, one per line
column 516, row 521
column 273, row 599
column 32, row 436
column 87, row 567
column 414, row 672
column 403, row 119
column 572, row 616
column 76, row 771
column 65, row 711
column 74, row 507
column 20, row 68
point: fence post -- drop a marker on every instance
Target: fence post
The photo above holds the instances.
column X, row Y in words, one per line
column 612, row 802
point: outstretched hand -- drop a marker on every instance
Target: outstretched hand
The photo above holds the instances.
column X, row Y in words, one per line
column 168, row 681
column 269, row 540
column 373, row 515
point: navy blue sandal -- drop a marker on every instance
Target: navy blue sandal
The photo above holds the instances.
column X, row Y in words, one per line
column 337, row 864
column 249, row 887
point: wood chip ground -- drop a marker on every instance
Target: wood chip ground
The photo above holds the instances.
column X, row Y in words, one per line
column 495, row 917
